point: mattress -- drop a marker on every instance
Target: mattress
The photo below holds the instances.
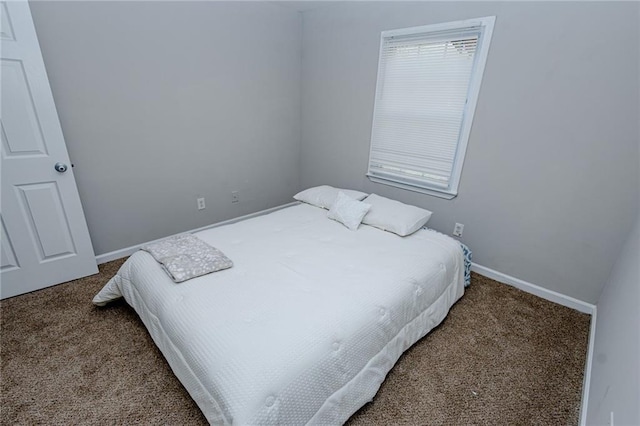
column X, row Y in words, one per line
column 305, row 326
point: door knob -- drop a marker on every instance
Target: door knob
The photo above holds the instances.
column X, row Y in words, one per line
column 60, row 167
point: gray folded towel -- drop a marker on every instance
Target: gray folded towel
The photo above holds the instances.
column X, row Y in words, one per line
column 186, row 256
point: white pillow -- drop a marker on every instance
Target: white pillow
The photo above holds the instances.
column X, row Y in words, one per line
column 325, row 195
column 394, row 216
column 348, row 211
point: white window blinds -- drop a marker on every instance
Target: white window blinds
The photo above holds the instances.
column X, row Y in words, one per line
column 424, row 79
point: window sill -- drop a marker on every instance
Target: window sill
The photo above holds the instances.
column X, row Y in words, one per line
column 434, row 192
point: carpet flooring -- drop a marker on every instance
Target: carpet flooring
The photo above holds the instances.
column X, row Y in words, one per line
column 501, row 356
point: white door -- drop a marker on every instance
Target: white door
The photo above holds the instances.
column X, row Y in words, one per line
column 44, row 240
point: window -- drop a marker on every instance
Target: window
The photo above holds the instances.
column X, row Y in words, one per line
column 428, row 83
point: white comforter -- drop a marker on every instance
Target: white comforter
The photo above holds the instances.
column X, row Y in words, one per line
column 308, row 322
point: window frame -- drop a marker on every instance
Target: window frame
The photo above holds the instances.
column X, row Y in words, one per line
column 486, row 25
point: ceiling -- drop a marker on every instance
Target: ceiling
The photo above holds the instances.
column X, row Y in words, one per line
column 302, row 5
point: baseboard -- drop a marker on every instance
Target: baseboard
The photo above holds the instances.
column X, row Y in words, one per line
column 586, row 382
column 128, row 251
column 528, row 287
column 561, row 299
column 542, row 292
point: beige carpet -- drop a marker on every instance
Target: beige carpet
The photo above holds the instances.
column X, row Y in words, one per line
column 501, row 357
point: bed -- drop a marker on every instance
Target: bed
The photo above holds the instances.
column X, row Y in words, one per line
column 307, row 323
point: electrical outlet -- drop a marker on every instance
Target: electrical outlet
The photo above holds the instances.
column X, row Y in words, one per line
column 457, row 230
column 235, row 197
column 201, row 205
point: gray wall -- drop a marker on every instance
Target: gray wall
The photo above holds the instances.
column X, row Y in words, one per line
column 549, row 187
column 163, row 102
column 615, row 373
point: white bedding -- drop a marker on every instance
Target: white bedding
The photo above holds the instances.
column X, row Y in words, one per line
column 308, row 322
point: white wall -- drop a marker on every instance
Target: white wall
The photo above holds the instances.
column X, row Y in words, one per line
column 615, row 373
column 550, row 182
column 163, row 102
